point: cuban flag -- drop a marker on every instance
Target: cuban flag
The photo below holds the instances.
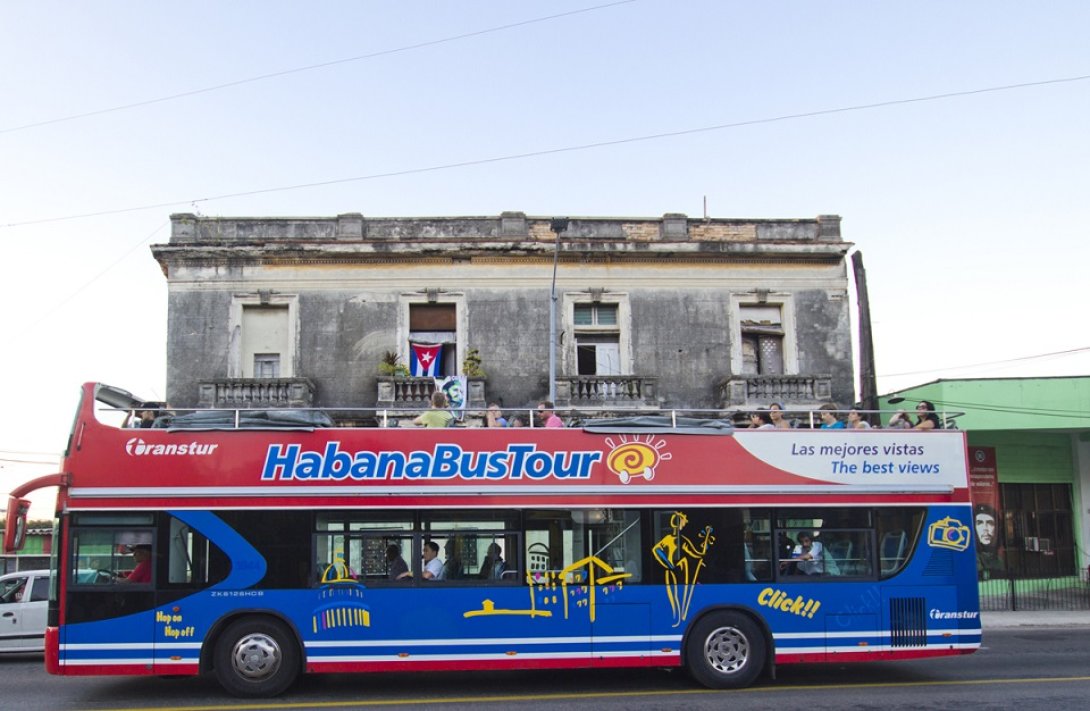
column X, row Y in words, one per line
column 424, row 358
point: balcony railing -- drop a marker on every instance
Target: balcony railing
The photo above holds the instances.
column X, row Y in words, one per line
column 741, row 390
column 413, row 392
column 631, row 391
column 256, row 392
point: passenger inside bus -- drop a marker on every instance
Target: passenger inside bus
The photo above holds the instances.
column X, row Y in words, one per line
column 433, row 567
column 493, row 566
column 809, row 556
column 396, row 567
column 452, row 567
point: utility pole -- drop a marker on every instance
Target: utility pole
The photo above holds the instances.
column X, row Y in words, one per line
column 868, row 381
column 557, row 225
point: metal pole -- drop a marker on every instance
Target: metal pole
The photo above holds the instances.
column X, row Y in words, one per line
column 557, row 225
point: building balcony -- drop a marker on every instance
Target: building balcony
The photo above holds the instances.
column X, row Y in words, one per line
column 256, row 392
column 626, row 392
column 415, row 393
column 761, row 390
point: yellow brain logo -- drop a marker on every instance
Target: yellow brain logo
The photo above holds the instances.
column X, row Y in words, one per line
column 635, row 458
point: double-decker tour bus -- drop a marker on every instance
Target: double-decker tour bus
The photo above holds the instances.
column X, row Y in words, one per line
column 263, row 546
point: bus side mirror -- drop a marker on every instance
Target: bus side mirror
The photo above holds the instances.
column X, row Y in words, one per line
column 15, row 529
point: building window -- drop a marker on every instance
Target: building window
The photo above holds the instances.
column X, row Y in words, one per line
column 1038, row 530
column 266, row 365
column 264, row 338
column 264, row 331
column 762, row 339
column 437, row 323
column 763, row 334
column 597, row 339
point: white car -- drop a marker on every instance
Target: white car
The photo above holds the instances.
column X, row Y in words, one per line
column 24, row 601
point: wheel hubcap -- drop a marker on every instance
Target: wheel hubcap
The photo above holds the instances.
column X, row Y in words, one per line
column 256, row 657
column 726, row 650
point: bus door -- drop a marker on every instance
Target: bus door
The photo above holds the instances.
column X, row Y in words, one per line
column 111, row 589
column 608, row 586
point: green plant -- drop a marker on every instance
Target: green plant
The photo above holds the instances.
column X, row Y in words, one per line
column 391, row 365
column 471, row 366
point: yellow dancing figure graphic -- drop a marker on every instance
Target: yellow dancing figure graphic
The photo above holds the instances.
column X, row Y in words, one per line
column 682, row 560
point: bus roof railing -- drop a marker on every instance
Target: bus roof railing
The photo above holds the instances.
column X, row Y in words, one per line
column 602, row 418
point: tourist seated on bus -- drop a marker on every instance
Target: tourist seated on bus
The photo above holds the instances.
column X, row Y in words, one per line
column 396, row 567
column 494, row 416
column 775, row 412
column 452, row 567
column 439, row 414
column 433, row 567
column 926, row 417
column 829, row 420
column 546, row 413
column 900, row 421
column 493, row 566
column 809, row 556
column 761, row 420
column 856, row 421
column 750, row 575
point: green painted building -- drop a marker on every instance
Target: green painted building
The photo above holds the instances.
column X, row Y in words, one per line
column 1038, row 430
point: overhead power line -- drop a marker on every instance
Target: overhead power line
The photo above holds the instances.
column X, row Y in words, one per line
column 1020, row 359
column 553, row 151
column 72, row 294
column 312, row 67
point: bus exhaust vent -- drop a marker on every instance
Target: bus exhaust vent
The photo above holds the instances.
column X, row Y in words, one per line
column 907, row 622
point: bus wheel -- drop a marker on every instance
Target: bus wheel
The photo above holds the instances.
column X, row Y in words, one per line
column 725, row 650
column 256, row 657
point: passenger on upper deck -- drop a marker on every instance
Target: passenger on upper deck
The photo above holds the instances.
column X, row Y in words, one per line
column 545, row 411
column 145, row 415
column 493, row 416
column 856, row 421
column 829, row 420
column 900, row 421
column 438, row 415
column 761, row 420
column 775, row 411
column 926, row 418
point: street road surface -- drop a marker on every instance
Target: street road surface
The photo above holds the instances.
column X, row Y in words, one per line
column 1025, row 669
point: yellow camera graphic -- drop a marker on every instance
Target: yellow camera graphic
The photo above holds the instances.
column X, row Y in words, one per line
column 948, row 533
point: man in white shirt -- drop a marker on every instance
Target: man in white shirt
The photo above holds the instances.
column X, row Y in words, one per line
column 433, row 567
column 809, row 556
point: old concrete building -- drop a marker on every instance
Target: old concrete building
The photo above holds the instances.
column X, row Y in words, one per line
column 671, row 312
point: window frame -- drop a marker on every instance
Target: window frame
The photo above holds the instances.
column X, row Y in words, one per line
column 289, row 362
column 622, row 329
column 451, row 365
column 786, row 304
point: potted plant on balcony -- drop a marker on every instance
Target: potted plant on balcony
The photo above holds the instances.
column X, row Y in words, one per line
column 391, row 365
column 471, row 365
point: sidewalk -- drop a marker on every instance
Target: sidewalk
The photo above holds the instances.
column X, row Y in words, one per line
column 1035, row 618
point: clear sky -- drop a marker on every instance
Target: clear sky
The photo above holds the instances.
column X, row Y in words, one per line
column 971, row 211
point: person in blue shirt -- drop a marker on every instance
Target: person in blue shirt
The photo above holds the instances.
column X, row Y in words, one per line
column 829, row 420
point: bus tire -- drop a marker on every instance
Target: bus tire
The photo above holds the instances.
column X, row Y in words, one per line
column 725, row 650
column 256, row 657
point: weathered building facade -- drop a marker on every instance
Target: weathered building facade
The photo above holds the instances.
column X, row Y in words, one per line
column 671, row 312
